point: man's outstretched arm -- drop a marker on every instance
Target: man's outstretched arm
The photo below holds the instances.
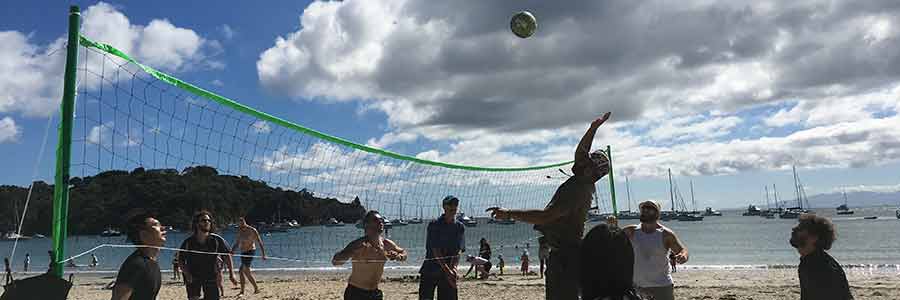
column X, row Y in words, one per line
column 584, row 146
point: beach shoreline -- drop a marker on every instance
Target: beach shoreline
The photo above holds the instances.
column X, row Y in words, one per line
column 690, row 284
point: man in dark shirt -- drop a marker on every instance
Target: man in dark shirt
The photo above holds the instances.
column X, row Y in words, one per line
column 562, row 221
column 199, row 269
column 138, row 277
column 444, row 241
column 821, row 277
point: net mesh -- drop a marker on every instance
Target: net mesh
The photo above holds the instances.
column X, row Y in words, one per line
column 130, row 116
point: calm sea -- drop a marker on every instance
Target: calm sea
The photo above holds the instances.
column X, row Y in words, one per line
column 717, row 242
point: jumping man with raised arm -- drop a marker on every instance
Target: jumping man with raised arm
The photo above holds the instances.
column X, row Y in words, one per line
column 562, row 221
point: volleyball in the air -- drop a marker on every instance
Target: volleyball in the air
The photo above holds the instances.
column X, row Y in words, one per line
column 523, row 24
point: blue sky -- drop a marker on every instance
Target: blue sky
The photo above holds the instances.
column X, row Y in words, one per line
column 729, row 101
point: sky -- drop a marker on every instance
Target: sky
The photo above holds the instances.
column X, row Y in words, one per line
column 727, row 94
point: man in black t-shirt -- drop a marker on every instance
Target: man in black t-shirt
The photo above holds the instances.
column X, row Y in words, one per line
column 200, row 269
column 821, row 276
column 138, row 277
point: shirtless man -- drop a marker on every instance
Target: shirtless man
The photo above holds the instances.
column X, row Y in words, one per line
column 247, row 238
column 369, row 254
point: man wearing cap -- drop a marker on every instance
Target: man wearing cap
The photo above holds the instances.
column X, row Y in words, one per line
column 562, row 221
column 444, row 241
column 656, row 250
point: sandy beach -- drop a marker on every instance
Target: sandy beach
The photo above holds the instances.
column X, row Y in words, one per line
column 690, row 284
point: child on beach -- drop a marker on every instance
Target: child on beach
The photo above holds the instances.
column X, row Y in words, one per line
column 525, row 262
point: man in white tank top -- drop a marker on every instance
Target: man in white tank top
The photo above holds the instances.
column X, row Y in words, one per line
column 652, row 244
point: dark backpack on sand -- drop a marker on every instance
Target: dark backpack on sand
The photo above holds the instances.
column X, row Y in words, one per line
column 41, row 287
column 607, row 265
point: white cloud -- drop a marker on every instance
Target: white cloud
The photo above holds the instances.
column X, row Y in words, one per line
column 30, row 80
column 163, row 45
column 391, row 138
column 227, row 32
column 452, row 64
column 686, row 74
column 261, row 127
column 217, row 82
column 9, row 131
column 31, row 77
column 685, row 128
column 884, row 188
column 100, row 134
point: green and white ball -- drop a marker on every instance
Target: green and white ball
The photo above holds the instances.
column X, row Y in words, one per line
column 523, row 24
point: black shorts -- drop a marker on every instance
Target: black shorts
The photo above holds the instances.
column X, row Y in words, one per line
column 247, row 260
column 209, row 287
column 355, row 293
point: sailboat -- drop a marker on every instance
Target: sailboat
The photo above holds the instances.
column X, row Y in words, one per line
column 628, row 214
column 769, row 213
column 13, row 235
column 794, row 212
column 692, row 216
column 400, row 221
column 419, row 219
column 843, row 209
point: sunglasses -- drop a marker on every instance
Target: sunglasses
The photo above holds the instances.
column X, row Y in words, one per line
column 205, row 221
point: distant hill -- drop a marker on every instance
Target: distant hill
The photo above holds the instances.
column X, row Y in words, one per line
column 96, row 202
column 854, row 199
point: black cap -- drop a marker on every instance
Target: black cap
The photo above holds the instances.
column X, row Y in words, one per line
column 450, row 199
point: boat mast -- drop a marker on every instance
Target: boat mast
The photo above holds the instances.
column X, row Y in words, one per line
column 671, row 192
column 693, row 202
column 797, row 187
column 775, row 195
column 628, row 192
column 844, row 191
column 768, row 207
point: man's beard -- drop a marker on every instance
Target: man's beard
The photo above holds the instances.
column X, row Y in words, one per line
column 795, row 241
column 648, row 218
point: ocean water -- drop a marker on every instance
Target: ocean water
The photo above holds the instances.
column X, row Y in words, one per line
column 729, row 241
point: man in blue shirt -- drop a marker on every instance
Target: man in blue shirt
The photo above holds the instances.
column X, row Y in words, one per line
column 445, row 240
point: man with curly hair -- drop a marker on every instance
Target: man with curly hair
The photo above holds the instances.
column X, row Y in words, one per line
column 821, row 277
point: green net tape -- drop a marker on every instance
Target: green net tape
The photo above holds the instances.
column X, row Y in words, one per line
column 287, row 124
